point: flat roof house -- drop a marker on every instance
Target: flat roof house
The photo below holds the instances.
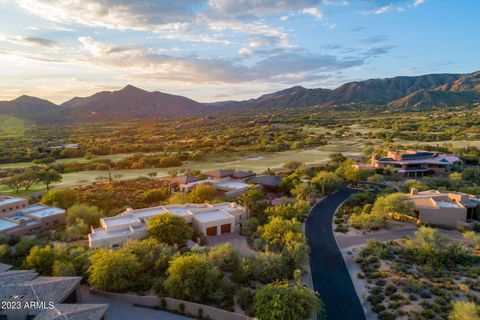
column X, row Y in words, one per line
column 417, row 163
column 445, row 208
column 48, row 298
column 268, row 181
column 17, row 218
column 223, row 174
column 228, row 182
column 207, row 219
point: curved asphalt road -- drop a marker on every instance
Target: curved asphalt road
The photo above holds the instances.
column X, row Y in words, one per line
column 329, row 273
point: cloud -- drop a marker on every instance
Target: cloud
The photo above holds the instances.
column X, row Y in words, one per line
column 377, row 51
column 314, row 12
column 374, row 39
column 29, row 41
column 384, row 9
column 142, row 62
column 385, row 6
column 418, row 2
column 258, row 8
column 259, row 29
column 117, row 14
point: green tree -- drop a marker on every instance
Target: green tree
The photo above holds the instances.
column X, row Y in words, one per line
column 304, row 191
column 368, row 220
column 154, row 255
column 428, row 239
column 456, row 179
column 250, row 199
column 28, row 178
column 116, row 271
column 412, row 183
column 293, row 165
column 351, row 174
column 13, row 182
column 152, row 175
column 169, row 228
column 63, row 269
column 4, row 252
column 463, row 310
column 298, row 210
column 192, row 277
column 41, row 259
column 44, row 161
column 202, row 193
column 267, row 267
column 76, row 230
column 179, row 198
column 24, row 245
column 276, row 231
column 62, row 198
column 337, row 158
column 296, row 250
column 473, row 237
column 281, row 301
column 88, row 214
column 49, row 176
column 224, row 256
column 395, row 205
column 156, row 195
column 376, row 178
column 326, row 182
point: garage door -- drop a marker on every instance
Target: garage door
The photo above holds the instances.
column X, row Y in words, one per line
column 225, row 228
column 212, row 231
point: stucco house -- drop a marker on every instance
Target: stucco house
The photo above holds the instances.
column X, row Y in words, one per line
column 207, row 219
column 445, row 208
column 417, row 163
column 17, row 218
column 229, row 183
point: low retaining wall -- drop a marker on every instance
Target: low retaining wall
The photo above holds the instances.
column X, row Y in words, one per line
column 180, row 306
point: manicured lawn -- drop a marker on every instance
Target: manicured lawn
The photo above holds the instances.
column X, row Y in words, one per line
column 258, row 162
column 11, row 126
column 113, row 157
column 4, row 190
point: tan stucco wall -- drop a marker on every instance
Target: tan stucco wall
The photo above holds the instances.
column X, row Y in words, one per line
column 445, row 216
column 14, row 206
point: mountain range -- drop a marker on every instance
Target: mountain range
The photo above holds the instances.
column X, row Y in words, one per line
column 416, row 92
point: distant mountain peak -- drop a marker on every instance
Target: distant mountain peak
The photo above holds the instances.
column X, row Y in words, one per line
column 26, row 98
column 129, row 89
column 130, row 102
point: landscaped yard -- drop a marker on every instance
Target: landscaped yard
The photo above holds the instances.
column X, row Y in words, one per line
column 416, row 278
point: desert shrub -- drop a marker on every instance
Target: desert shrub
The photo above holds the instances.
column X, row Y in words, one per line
column 390, row 289
column 375, row 298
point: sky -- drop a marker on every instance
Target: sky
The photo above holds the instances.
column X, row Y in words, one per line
column 212, row 50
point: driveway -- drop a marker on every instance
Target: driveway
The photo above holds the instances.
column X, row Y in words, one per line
column 329, row 273
column 118, row 310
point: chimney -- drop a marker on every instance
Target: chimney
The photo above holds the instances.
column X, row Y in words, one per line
column 413, row 191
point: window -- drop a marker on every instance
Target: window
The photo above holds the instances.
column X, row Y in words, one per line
column 116, row 245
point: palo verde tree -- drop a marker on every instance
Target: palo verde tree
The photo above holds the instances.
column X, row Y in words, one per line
column 115, row 270
column 169, row 228
column 282, row 301
column 192, row 277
